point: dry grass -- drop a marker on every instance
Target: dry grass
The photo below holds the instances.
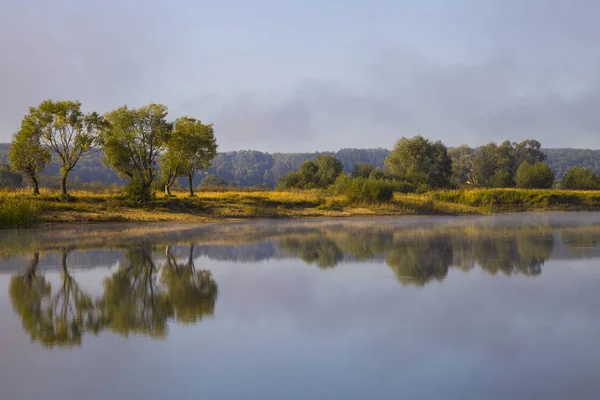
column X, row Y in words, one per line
column 88, row 206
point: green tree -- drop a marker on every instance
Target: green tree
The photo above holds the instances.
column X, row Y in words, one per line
column 314, row 174
column 536, row 176
column 362, row 170
column 577, row 178
column 485, row 165
column 63, row 128
column 198, row 146
column 462, row 165
column 420, row 162
column 213, row 181
column 27, row 155
column 530, row 151
column 132, row 140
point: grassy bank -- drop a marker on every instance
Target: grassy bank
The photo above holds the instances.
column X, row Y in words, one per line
column 513, row 200
column 20, row 209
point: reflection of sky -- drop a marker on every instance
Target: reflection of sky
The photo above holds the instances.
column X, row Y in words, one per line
column 283, row 329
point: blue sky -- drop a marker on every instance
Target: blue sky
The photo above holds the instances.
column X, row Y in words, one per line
column 313, row 75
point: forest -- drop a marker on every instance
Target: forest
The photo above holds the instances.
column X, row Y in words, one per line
column 256, row 168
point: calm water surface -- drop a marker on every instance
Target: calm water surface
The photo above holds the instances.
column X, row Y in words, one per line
column 501, row 307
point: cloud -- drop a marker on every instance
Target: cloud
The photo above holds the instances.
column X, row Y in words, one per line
column 403, row 95
column 474, row 72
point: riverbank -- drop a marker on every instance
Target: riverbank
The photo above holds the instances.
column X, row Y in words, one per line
column 84, row 206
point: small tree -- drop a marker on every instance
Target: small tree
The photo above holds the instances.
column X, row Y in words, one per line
column 536, row 176
column 577, row 178
column 65, row 130
column 362, row 170
column 213, row 181
column 27, row 155
column 192, row 146
column 198, row 146
column 132, row 140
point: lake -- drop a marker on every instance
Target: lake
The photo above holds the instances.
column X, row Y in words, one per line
column 498, row 307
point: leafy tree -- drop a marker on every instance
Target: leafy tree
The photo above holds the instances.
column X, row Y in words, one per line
column 63, row 128
column 420, row 162
column 502, row 179
column 577, row 178
column 197, row 147
column 132, row 140
column 314, row 174
column 213, row 181
column 530, row 151
column 485, row 165
column 377, row 173
column 462, row 165
column 536, row 176
column 362, row 170
column 27, row 155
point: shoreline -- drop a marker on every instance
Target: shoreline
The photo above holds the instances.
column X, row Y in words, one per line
column 206, row 207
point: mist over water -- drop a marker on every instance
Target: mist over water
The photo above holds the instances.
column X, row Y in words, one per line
column 426, row 307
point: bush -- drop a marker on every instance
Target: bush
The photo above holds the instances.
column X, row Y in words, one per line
column 364, row 190
column 213, row 181
column 536, row 176
column 578, row 178
column 17, row 213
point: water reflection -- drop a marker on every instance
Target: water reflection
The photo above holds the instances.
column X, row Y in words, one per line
column 157, row 282
column 134, row 299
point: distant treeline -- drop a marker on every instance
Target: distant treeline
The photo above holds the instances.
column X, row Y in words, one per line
column 253, row 168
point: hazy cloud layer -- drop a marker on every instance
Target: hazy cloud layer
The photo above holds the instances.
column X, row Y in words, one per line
column 309, row 76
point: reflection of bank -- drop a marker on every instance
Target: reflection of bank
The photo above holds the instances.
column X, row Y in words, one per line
column 133, row 300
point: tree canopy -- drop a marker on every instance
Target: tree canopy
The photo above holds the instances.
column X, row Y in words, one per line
column 132, row 140
column 420, row 162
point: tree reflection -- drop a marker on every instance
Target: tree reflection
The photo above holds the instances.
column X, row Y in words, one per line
column 133, row 300
column 192, row 293
column 53, row 319
column 417, row 262
column 314, row 249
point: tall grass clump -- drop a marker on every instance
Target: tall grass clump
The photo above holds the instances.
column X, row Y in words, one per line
column 364, row 190
column 17, row 213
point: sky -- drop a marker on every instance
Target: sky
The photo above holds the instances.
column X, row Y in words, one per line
column 316, row 75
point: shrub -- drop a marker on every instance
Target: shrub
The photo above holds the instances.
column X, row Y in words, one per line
column 17, row 213
column 536, row 176
column 363, row 190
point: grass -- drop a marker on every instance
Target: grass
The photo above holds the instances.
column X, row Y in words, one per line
column 503, row 200
column 21, row 209
column 17, row 213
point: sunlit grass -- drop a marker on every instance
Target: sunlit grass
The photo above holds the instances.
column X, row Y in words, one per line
column 111, row 205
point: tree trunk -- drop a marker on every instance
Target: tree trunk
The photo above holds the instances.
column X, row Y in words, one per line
column 63, row 184
column 190, row 176
column 168, row 189
column 36, row 185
